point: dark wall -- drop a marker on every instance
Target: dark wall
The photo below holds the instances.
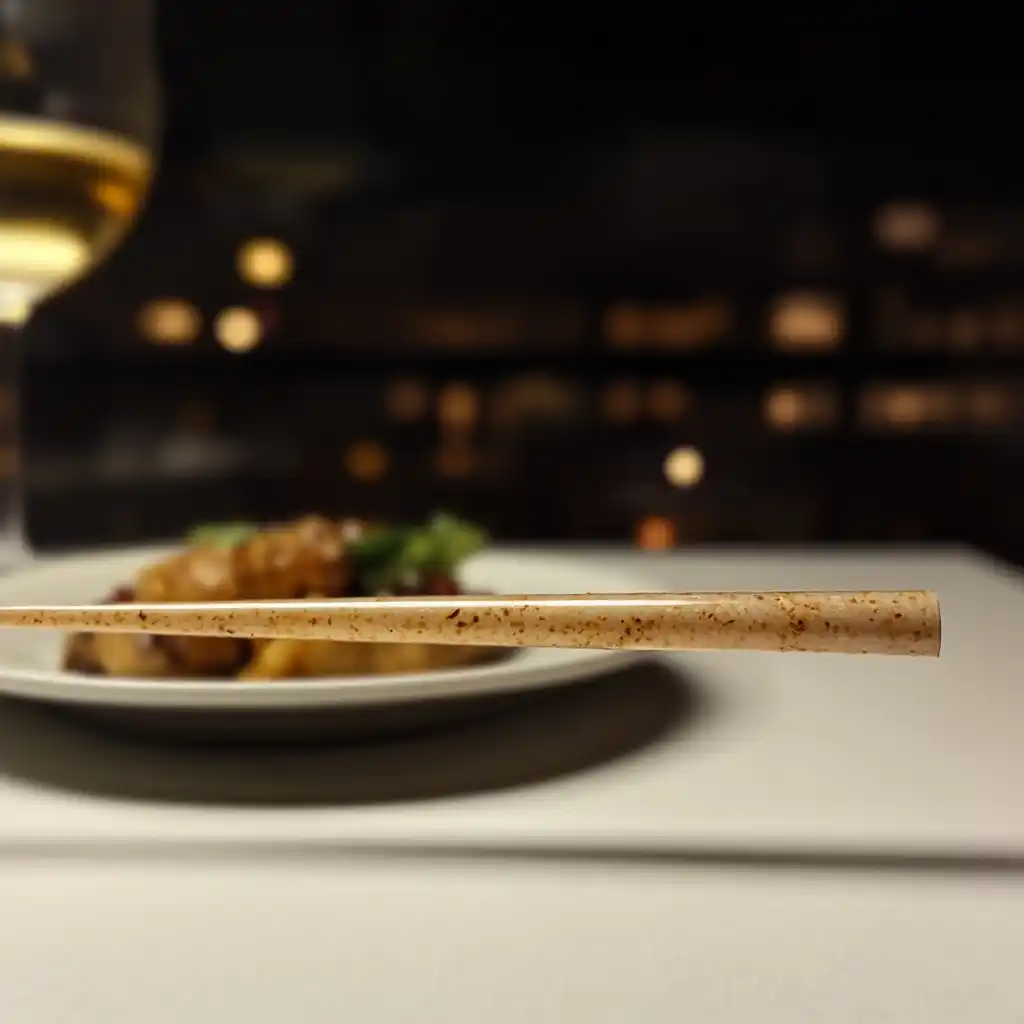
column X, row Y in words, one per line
column 602, row 235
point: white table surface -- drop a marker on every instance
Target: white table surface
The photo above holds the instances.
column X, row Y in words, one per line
column 811, row 753
column 388, row 942
column 785, row 888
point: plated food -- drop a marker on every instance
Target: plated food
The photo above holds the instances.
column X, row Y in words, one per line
column 313, row 557
column 294, row 709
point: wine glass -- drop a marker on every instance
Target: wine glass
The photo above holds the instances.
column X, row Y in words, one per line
column 78, row 128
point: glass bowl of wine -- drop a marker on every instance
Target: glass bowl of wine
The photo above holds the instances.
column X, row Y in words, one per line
column 79, row 123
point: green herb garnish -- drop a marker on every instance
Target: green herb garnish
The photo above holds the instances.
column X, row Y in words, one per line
column 386, row 558
column 221, row 535
column 389, row 557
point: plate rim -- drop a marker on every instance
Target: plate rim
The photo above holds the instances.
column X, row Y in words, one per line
column 515, row 674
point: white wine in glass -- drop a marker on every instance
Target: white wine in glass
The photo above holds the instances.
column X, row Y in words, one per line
column 68, row 195
column 78, row 125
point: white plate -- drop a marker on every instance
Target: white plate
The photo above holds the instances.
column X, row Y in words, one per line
column 30, row 660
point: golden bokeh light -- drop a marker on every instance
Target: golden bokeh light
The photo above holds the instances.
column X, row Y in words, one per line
column 909, row 406
column 684, row 467
column 677, row 326
column 169, row 322
column 907, row 226
column 458, row 406
column 905, row 407
column 656, row 533
column 805, row 322
column 784, row 408
column 800, row 407
column 265, row 263
column 368, row 460
column 238, row 328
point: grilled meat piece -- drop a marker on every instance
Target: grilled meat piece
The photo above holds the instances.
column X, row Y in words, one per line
column 287, row 562
column 275, row 564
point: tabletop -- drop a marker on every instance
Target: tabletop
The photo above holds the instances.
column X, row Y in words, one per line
column 319, row 940
column 812, row 840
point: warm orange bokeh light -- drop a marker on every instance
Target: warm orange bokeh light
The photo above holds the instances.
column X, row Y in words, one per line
column 656, row 533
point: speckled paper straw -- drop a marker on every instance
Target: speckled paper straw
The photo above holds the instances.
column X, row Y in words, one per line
column 868, row 622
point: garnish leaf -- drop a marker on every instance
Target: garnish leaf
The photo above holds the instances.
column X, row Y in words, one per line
column 390, row 557
column 386, row 558
column 221, row 535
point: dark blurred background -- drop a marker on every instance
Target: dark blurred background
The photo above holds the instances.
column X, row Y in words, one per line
column 642, row 272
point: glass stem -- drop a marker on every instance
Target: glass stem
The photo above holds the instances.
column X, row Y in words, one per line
column 13, row 542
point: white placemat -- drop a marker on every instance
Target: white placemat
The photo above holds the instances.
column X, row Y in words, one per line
column 704, row 753
column 380, row 942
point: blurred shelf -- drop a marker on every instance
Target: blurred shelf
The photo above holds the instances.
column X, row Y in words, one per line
column 722, row 367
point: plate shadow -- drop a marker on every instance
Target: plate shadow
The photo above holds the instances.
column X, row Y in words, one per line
column 498, row 745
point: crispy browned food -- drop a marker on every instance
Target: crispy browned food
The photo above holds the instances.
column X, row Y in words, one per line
column 79, row 656
column 275, row 564
column 305, row 559
column 296, row 659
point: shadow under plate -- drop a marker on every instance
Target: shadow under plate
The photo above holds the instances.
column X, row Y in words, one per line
column 491, row 744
